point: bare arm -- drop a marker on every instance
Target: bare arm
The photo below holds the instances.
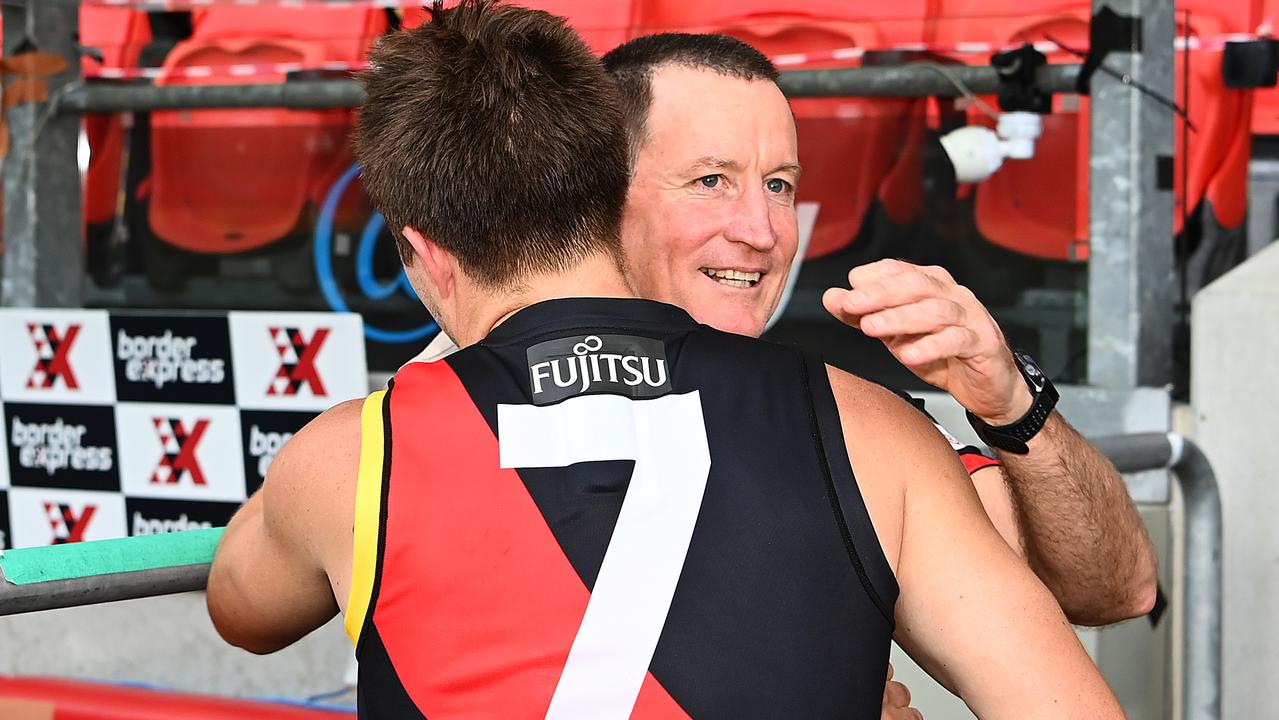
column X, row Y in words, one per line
column 1062, row 505
column 970, row 612
column 268, row 586
column 1088, row 543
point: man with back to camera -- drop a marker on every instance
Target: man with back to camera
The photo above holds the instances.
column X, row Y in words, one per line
column 524, row 512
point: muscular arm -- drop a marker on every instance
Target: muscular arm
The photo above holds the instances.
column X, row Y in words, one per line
column 970, row 612
column 1086, row 540
column 1063, row 505
column 268, row 586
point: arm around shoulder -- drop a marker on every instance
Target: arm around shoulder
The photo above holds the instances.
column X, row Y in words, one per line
column 970, row 611
column 268, row 585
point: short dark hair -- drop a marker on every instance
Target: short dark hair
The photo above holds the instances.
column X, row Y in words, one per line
column 493, row 130
column 633, row 63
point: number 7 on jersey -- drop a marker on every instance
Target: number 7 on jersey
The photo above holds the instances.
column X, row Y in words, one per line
column 666, row 437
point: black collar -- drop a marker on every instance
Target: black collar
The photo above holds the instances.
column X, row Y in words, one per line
column 562, row 314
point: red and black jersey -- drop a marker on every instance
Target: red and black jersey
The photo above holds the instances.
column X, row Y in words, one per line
column 605, row 510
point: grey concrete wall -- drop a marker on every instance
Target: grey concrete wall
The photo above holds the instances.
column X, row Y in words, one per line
column 1235, row 398
column 167, row 641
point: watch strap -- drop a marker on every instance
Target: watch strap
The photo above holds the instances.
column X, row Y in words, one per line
column 1014, row 436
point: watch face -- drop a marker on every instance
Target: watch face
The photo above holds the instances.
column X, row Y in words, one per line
column 1032, row 372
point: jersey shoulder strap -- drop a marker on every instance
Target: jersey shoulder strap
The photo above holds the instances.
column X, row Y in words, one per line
column 855, row 525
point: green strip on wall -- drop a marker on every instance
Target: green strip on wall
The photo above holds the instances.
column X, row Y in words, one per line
column 101, row 557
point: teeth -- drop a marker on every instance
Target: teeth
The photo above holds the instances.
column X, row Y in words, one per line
column 733, row 278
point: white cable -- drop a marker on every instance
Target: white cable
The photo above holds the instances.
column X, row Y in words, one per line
column 961, row 86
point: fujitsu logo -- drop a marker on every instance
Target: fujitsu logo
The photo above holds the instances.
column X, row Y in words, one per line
column 178, row 444
column 620, row 364
column 53, row 352
column 68, row 525
column 297, row 361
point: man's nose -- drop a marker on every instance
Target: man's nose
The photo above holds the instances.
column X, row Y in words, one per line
column 752, row 221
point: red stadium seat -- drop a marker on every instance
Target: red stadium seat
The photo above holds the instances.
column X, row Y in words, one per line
column 604, row 24
column 119, row 34
column 22, row 698
column 847, row 146
column 226, row 181
column 1020, row 207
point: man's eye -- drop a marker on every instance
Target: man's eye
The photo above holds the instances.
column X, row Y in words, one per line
column 709, row 181
column 777, row 185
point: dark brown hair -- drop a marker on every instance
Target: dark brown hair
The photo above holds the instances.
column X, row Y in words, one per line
column 494, row 131
column 633, row 63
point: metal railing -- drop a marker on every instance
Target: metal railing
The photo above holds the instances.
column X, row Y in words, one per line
column 1201, row 607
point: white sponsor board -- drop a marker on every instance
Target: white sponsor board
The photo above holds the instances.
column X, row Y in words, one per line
column 56, row 356
column 297, row 361
column 187, row 452
column 45, row 516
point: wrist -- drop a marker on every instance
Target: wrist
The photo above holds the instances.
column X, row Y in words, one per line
column 1015, row 410
column 1013, row 436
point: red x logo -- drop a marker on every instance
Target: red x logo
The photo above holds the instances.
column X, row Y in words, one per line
column 297, row 361
column 52, row 356
column 178, row 447
column 67, row 526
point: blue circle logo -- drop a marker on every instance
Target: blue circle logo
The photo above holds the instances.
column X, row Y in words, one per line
column 369, row 285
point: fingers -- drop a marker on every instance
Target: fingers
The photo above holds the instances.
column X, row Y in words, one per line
column 953, row 341
column 918, row 318
column 833, row 301
column 881, row 269
column 893, row 272
column 896, row 695
column 897, row 701
column 900, row 289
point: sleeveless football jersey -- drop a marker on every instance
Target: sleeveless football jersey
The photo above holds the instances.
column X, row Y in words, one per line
column 605, row 510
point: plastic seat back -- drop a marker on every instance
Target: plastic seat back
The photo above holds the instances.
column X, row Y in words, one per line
column 226, row 181
column 603, row 24
column 119, row 34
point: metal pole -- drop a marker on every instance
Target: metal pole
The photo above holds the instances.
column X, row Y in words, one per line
column 1131, row 288
column 94, row 589
column 43, row 253
column 1201, row 690
column 914, row 80
column 298, row 95
column 911, row 80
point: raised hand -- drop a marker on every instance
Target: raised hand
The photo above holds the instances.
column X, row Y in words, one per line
column 939, row 330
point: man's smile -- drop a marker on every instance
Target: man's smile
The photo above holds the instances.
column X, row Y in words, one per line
column 733, row 278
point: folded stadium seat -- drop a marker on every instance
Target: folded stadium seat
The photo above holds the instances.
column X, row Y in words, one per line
column 29, row 697
column 847, row 146
column 1021, row 207
column 226, row 181
column 119, row 34
column 603, row 24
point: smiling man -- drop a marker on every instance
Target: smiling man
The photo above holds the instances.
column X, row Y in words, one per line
column 710, row 223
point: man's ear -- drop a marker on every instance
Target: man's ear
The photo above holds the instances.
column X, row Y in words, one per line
column 439, row 264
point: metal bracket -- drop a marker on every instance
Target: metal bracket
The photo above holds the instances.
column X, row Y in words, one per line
column 1019, row 89
column 1108, row 32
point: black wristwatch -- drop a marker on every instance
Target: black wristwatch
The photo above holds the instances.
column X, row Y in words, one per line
column 1013, row 437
